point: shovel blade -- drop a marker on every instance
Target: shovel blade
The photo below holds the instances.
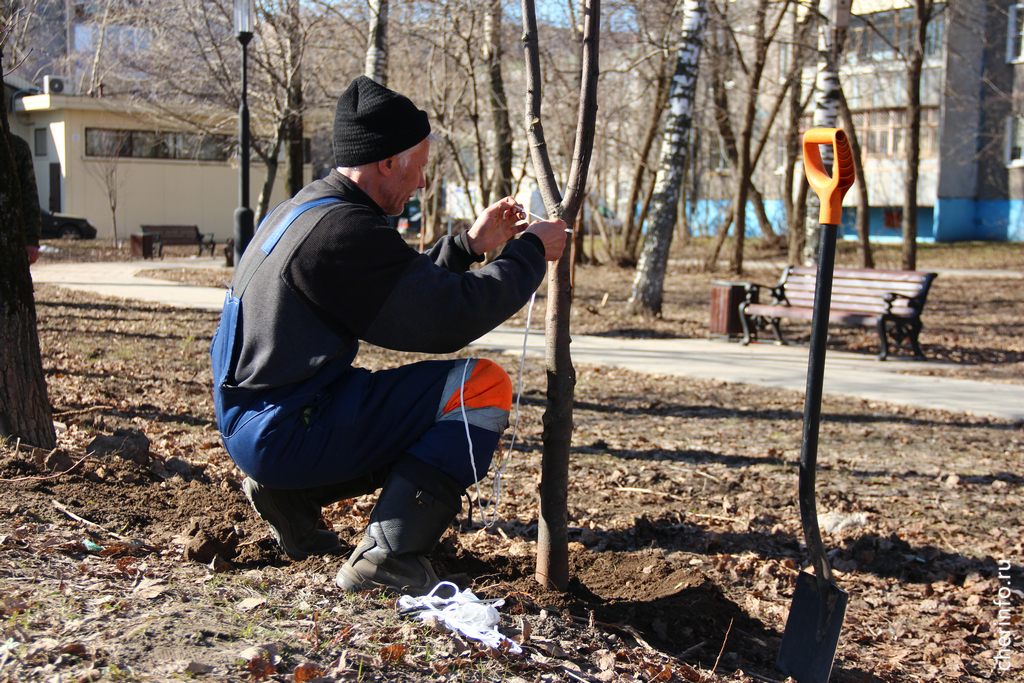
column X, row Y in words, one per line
column 811, row 637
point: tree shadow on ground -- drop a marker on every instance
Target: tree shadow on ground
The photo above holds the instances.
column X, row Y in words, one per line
column 869, row 553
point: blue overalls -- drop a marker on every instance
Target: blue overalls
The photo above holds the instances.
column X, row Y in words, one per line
column 345, row 421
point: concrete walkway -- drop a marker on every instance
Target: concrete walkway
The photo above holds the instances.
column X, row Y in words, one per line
column 785, row 367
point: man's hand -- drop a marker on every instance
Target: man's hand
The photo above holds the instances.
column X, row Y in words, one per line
column 500, row 222
column 33, row 254
column 505, row 219
column 553, row 235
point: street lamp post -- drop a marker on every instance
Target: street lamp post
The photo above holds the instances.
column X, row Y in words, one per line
column 243, row 214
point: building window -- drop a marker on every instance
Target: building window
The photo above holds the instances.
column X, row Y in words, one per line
column 1015, row 140
column 718, row 160
column 148, row 144
column 1014, row 26
column 41, row 148
column 882, row 132
column 886, row 35
column 892, row 219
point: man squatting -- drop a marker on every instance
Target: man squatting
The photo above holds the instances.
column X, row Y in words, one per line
column 325, row 270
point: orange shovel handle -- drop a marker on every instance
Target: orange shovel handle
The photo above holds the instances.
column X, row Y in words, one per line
column 830, row 190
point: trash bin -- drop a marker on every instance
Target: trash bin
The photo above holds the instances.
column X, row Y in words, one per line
column 726, row 298
column 142, row 244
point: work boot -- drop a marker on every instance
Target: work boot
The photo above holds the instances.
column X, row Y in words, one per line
column 405, row 525
column 293, row 515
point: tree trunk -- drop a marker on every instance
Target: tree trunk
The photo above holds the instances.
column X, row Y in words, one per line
column 796, row 183
column 377, row 43
column 632, row 225
column 867, row 260
column 25, row 411
column 502, row 178
column 552, row 525
column 720, row 100
column 797, row 230
column 272, row 160
column 294, row 118
column 826, row 115
column 648, row 286
column 711, row 261
column 745, row 169
column 912, row 139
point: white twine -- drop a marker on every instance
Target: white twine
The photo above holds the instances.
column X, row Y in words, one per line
column 501, row 466
column 463, row 612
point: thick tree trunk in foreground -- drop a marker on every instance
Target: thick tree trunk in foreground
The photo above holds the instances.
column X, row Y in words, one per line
column 25, row 411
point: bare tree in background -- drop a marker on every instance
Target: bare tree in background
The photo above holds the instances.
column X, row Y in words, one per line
column 924, row 12
column 764, row 34
column 867, row 259
column 748, row 149
column 648, row 286
column 185, row 71
column 103, row 162
column 25, row 411
column 553, row 523
column 501, row 174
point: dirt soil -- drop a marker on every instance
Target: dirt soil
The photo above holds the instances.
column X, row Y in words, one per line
column 146, row 563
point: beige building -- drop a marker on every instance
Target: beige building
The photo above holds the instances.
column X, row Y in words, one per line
column 88, row 148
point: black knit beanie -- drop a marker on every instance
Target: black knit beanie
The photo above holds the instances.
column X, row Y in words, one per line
column 374, row 123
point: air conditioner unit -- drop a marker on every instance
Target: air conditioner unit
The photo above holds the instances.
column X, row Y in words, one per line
column 54, row 85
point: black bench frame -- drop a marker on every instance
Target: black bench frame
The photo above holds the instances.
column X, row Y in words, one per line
column 179, row 234
column 889, row 300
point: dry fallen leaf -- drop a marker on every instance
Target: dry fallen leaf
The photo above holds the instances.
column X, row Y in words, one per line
column 688, row 672
column 149, row 589
column 393, row 653
column 260, row 668
column 307, row 671
column 250, row 604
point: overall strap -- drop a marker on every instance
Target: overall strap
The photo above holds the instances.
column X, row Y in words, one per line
column 268, row 244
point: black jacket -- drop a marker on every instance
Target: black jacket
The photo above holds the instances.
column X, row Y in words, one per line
column 341, row 273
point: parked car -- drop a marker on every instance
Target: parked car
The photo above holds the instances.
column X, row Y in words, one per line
column 56, row 225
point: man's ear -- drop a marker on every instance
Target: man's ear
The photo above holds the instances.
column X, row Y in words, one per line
column 386, row 166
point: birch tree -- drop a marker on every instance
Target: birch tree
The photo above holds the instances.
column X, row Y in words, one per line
column 648, row 286
column 553, row 523
column 835, row 17
column 376, row 66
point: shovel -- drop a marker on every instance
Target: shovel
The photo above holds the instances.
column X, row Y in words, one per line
column 816, row 616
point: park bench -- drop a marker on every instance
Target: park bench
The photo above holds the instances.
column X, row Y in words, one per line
column 178, row 234
column 889, row 300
